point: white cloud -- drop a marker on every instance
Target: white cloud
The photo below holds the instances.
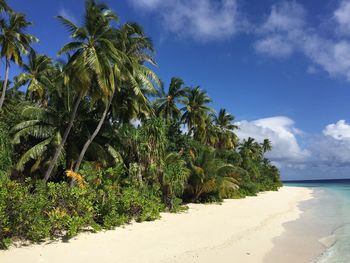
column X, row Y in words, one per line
column 338, row 131
column 330, row 152
column 275, row 46
column 285, row 31
column 202, row 20
column 342, row 17
column 329, row 155
column 284, row 16
column 281, row 132
column 332, row 56
column 281, row 30
column 150, row 4
column 325, row 155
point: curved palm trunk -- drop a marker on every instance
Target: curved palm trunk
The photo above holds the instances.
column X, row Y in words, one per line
column 4, row 88
column 90, row 140
column 64, row 139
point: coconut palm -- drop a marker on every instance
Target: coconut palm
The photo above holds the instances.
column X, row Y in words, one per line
column 131, row 101
column 89, row 65
column 210, row 175
column 36, row 75
column 4, row 7
column 14, row 44
column 166, row 104
column 227, row 139
column 224, row 120
column 173, row 177
column 129, row 72
column 41, row 129
column 40, row 125
column 251, row 154
column 266, row 145
column 208, row 133
column 195, row 109
column 128, row 105
column 251, row 148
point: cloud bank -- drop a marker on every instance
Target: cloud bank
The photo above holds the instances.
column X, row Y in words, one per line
column 281, row 132
column 202, row 20
column 285, row 31
column 325, row 155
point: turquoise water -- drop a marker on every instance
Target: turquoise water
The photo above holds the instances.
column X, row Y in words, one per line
column 331, row 215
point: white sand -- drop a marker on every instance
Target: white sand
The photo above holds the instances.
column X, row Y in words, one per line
column 236, row 231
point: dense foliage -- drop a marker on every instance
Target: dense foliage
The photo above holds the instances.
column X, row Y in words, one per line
column 96, row 141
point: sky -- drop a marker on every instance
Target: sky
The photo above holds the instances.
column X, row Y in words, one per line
column 282, row 68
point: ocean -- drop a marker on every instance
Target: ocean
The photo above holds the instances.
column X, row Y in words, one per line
column 329, row 213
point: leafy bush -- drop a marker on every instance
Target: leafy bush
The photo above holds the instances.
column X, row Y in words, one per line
column 38, row 212
column 21, row 213
column 116, row 200
column 140, row 204
column 6, row 149
column 5, row 229
column 70, row 209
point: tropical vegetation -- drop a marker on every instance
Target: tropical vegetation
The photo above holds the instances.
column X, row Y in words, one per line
column 95, row 140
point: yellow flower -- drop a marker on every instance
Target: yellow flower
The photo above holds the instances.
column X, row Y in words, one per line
column 76, row 177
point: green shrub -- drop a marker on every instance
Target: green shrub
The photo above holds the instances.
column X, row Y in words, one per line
column 117, row 202
column 70, row 209
column 106, row 205
column 5, row 229
column 5, row 148
column 248, row 189
column 36, row 212
column 140, row 204
column 21, row 213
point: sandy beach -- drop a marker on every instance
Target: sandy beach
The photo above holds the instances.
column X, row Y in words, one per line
column 236, row 231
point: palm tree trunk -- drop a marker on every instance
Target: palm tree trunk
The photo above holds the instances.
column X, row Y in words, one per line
column 64, row 139
column 90, row 140
column 4, row 88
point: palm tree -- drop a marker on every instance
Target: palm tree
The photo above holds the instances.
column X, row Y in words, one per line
column 224, row 120
column 227, row 139
column 4, row 7
column 41, row 129
column 131, row 101
column 36, row 75
column 250, row 147
column 166, row 105
column 173, row 177
column 130, row 72
column 14, row 43
column 128, row 105
column 266, row 145
column 251, row 153
column 195, row 109
column 90, row 62
column 208, row 133
column 41, row 125
column 210, row 175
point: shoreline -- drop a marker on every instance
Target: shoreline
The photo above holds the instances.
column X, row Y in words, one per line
column 318, row 225
column 239, row 229
column 303, row 236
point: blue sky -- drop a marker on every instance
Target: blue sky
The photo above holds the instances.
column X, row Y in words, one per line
column 281, row 67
